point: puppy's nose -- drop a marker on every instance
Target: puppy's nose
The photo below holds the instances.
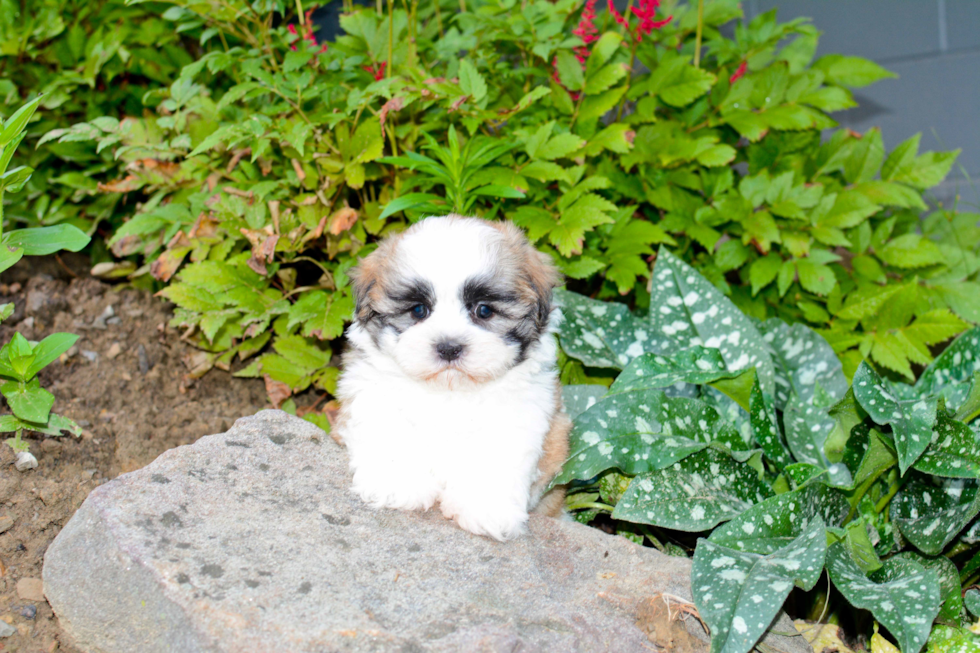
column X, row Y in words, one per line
column 449, row 350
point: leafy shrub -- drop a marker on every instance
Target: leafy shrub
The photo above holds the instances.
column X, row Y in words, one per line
column 255, row 202
column 89, row 59
column 20, row 359
column 748, row 433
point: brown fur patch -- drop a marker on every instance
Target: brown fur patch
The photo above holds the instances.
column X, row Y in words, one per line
column 553, row 455
column 369, row 276
column 538, row 276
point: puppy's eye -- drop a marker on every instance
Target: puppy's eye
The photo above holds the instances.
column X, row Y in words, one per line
column 484, row 312
column 419, row 311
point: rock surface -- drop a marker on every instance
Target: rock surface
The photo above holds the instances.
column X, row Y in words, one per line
column 250, row 541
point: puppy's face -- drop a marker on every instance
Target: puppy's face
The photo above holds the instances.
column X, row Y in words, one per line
column 455, row 300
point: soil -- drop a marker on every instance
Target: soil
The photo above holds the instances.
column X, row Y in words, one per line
column 125, row 383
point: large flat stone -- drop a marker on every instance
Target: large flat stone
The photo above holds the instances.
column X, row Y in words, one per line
column 250, row 541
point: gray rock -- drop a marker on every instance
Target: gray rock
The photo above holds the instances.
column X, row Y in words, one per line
column 251, row 541
column 6, row 630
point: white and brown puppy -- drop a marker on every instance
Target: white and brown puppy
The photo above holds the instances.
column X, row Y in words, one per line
column 450, row 391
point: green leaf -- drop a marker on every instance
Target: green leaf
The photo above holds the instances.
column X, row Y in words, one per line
column 579, row 398
column 560, row 146
column 931, row 516
column 603, row 78
column 193, row 298
column 815, row 277
column 867, row 455
column 600, row 334
column 954, row 450
column 850, row 71
column 686, row 85
column 570, row 71
column 694, row 494
column 926, row 170
column 28, row 400
column 867, row 153
column 901, row 158
column 776, row 522
column 803, row 360
column 41, row 241
column 294, row 61
column 867, row 301
column 329, row 323
column 9, row 256
column 911, row 416
column 689, row 311
column 642, row 431
column 957, row 364
column 859, row 546
column 408, row 201
column 717, row 155
column 471, row 81
column 902, row 595
column 972, row 601
column 949, row 584
column 738, row 594
column 765, row 427
column 945, row 639
column 16, row 123
column 763, row 271
column 911, row 251
column 696, row 365
column 48, row 350
column 6, row 310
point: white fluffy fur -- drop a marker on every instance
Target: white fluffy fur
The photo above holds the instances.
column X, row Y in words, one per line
column 467, row 434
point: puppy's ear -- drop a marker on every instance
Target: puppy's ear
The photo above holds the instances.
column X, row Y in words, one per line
column 364, row 278
column 538, row 276
column 543, row 277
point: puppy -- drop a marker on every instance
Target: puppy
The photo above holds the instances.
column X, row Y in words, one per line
column 449, row 391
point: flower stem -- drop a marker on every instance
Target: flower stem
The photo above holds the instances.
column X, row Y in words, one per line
column 391, row 37
column 697, row 38
column 302, row 16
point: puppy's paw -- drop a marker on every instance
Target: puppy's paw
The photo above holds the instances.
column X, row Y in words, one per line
column 386, row 488
column 486, row 515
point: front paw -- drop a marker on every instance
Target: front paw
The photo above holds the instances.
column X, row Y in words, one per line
column 486, row 515
column 386, row 488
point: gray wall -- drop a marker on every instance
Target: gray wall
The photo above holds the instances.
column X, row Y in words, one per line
column 934, row 47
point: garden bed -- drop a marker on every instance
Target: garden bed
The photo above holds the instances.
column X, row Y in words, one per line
column 132, row 406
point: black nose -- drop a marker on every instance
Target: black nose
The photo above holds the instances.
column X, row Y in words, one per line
column 449, row 350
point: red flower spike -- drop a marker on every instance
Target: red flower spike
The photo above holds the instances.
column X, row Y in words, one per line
column 645, row 14
column 738, row 73
column 377, row 70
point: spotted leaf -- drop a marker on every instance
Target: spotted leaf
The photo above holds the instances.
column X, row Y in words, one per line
column 802, row 359
column 643, row 431
column 945, row 639
column 579, row 398
column 653, row 371
column 954, row 449
column 902, row 595
column 957, row 364
column 694, row 494
column 910, row 415
column 867, row 455
column 688, row 311
column 972, row 602
column 765, row 427
column 738, row 594
column 949, row 584
column 777, row 521
column 601, row 334
column 930, row 517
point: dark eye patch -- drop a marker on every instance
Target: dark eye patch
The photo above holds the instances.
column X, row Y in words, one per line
column 484, row 290
column 405, row 296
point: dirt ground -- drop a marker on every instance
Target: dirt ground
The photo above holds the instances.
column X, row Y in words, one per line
column 123, row 382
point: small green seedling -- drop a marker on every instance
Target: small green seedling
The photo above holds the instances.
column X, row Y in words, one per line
column 20, row 362
column 21, row 359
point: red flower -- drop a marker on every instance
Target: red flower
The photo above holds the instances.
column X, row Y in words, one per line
column 307, row 32
column 645, row 13
column 377, row 70
column 586, row 30
column 738, row 73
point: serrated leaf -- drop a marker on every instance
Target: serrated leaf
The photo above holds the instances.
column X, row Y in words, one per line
column 559, row 146
column 471, row 81
column 930, row 516
column 738, row 594
column 850, row 71
column 685, row 85
column 694, row 494
column 814, row 277
column 902, row 595
column 569, row 71
column 910, row 415
column 911, row 251
column 690, row 312
column 763, row 271
column 193, row 298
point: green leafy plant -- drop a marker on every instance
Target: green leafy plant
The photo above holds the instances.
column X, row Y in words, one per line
column 20, row 359
column 88, row 59
column 601, row 142
column 748, row 435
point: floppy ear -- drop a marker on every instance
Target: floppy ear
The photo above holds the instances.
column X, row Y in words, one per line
column 543, row 278
column 364, row 277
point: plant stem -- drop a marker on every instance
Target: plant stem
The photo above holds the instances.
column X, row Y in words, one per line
column 439, row 19
column 299, row 9
column 629, row 79
column 697, row 37
column 883, row 503
column 391, row 37
column 462, row 6
column 598, row 506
